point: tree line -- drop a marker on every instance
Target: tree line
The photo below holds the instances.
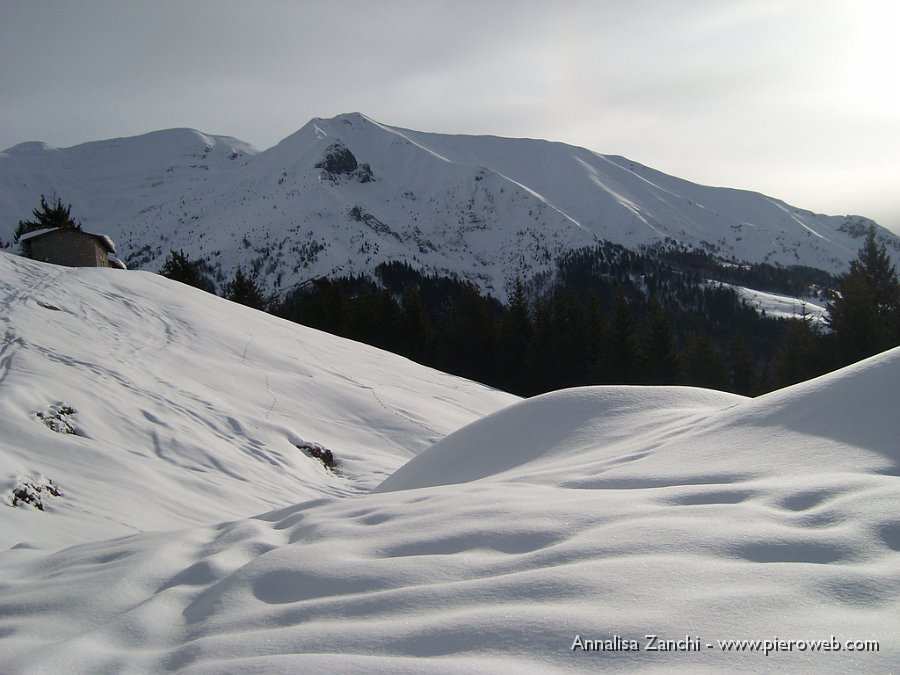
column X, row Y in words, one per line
column 661, row 315
column 568, row 336
column 608, row 315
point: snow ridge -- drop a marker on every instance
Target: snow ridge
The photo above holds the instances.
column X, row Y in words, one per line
column 484, row 208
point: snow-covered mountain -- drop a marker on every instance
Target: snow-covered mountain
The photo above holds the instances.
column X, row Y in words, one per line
column 344, row 194
column 463, row 530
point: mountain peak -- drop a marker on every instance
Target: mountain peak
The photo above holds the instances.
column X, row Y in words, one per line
column 485, row 208
column 27, row 148
column 343, row 122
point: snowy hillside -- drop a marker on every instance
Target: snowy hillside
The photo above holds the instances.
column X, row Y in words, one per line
column 206, row 542
column 776, row 305
column 344, row 194
column 189, row 408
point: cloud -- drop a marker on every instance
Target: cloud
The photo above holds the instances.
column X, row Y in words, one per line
column 748, row 90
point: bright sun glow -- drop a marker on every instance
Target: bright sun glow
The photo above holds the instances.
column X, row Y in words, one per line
column 874, row 52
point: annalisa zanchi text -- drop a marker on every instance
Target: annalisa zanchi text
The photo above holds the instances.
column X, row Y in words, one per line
column 688, row 643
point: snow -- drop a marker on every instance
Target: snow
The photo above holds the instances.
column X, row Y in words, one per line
column 776, row 305
column 152, row 369
column 484, row 208
column 466, row 530
column 37, row 233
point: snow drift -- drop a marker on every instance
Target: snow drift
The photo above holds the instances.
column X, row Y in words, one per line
column 594, row 431
column 595, row 516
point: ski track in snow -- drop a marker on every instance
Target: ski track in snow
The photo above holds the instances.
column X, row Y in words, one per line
column 371, row 390
column 192, row 536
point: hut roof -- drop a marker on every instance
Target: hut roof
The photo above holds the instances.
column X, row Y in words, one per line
column 105, row 241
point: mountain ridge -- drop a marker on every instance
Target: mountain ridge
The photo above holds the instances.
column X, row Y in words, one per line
column 484, row 208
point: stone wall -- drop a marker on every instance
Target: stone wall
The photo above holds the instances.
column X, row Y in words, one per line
column 71, row 248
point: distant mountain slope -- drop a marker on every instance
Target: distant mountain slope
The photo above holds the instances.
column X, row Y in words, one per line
column 486, row 208
column 547, row 535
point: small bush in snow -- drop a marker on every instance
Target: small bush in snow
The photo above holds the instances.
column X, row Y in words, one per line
column 318, row 452
column 33, row 491
column 58, row 418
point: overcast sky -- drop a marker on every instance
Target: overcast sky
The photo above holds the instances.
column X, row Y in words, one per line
column 799, row 99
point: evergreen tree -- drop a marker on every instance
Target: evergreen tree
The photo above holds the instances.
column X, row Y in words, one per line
column 373, row 318
column 47, row 217
column 701, row 364
column 538, row 364
column 514, row 337
column 742, row 371
column 570, row 351
column 801, row 355
column 469, row 338
column 329, row 307
column 179, row 267
column 656, row 354
column 622, row 352
column 246, row 291
column 865, row 316
column 415, row 329
column 598, row 338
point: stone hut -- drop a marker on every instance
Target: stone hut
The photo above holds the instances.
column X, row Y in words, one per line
column 70, row 247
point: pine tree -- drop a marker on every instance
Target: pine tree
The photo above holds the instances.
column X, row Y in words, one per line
column 801, row 354
column 469, row 338
column 598, row 338
column 865, row 316
column 571, row 350
column 742, row 371
column 246, row 291
column 701, row 364
column 179, row 267
column 47, row 217
column 538, row 356
column 514, row 336
column 656, row 354
column 622, row 356
column 374, row 318
column 328, row 308
column 415, row 330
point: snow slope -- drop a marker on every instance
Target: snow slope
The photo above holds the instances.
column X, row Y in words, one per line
column 485, row 208
column 188, row 407
column 605, row 513
column 785, row 306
